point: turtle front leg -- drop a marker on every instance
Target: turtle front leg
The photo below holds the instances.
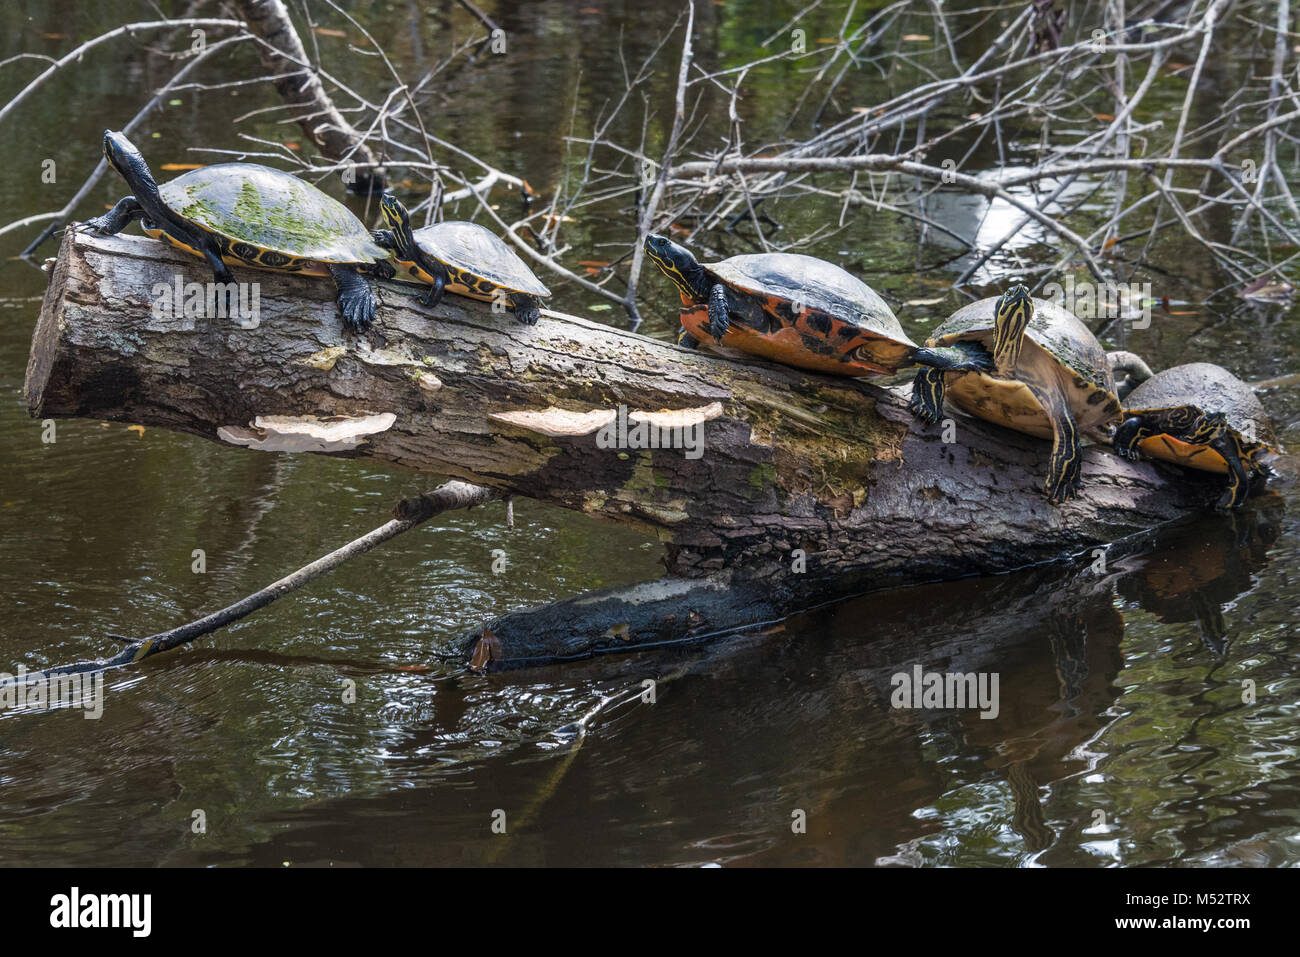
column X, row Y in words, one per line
column 128, row 208
column 385, row 238
column 927, row 395
column 1215, row 429
column 1129, row 436
column 526, row 308
column 1065, row 465
column 355, row 297
column 439, row 286
column 719, row 309
column 210, row 249
column 963, row 357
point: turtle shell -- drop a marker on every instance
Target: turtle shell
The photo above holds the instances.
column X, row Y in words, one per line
column 1058, row 331
column 789, row 279
column 813, row 341
column 479, row 252
column 1211, row 389
column 1064, row 338
column 271, row 210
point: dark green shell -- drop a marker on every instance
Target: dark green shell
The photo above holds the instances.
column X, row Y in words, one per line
column 1059, row 332
column 813, row 283
column 1211, row 389
column 271, row 210
column 474, row 249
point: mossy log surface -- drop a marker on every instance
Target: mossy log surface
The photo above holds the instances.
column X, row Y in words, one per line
column 790, row 460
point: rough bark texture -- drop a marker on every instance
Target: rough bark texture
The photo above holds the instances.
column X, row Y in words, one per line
column 300, row 87
column 835, row 467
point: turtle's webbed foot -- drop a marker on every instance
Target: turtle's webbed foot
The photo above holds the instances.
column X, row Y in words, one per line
column 383, row 237
column 1068, row 486
column 358, row 310
column 922, row 411
column 527, row 310
column 356, row 299
column 1127, row 453
column 1233, row 497
column 719, row 329
column 1061, row 493
column 927, row 396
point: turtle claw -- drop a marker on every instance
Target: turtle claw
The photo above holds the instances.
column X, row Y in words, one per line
column 355, row 298
column 1062, row 494
column 923, row 411
column 358, row 311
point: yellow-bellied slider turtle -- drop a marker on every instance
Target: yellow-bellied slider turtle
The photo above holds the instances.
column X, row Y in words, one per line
column 1201, row 416
column 245, row 214
column 797, row 310
column 1050, row 378
column 463, row 258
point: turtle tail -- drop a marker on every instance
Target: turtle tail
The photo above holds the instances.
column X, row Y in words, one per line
column 962, row 357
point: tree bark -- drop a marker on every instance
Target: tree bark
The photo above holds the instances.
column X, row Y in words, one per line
column 835, row 467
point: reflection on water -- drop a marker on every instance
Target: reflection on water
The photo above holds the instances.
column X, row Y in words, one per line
column 1125, row 732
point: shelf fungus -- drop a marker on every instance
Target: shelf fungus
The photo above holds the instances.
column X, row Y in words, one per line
column 307, row 433
column 558, row 422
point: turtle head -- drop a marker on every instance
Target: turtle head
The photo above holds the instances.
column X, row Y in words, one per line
column 398, row 220
column 126, row 159
column 679, row 265
column 1011, row 316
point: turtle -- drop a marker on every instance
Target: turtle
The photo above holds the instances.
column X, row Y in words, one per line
column 1050, row 378
column 460, row 257
column 797, row 310
column 1200, row 416
column 246, row 214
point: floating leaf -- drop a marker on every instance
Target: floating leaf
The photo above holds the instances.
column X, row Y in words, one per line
column 327, row 32
column 600, row 307
column 926, row 302
column 915, row 37
column 137, row 429
column 487, row 649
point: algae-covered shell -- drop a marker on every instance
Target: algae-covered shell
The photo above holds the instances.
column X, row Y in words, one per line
column 271, row 210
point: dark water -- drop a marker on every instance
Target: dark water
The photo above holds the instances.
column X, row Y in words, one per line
column 1122, row 738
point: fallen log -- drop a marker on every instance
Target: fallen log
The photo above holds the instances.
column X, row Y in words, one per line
column 796, row 471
